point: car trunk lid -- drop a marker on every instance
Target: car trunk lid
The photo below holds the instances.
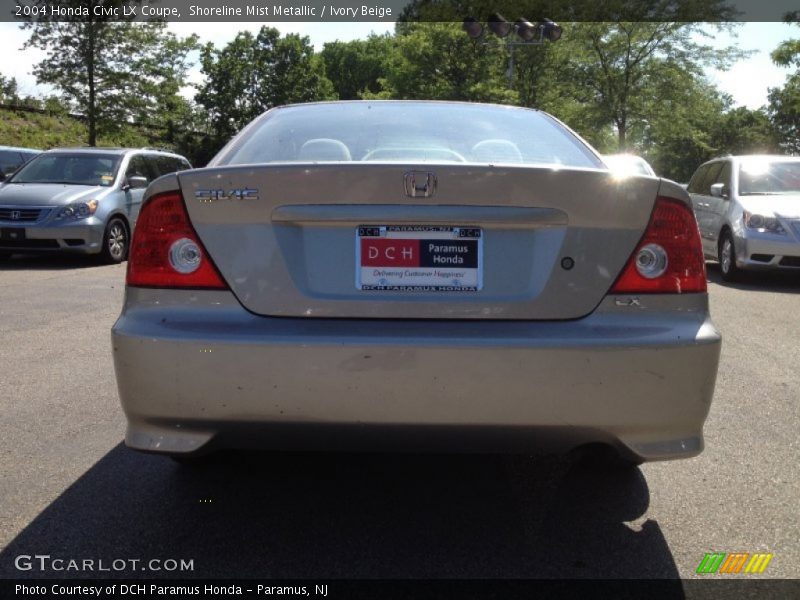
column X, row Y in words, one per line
column 540, row 242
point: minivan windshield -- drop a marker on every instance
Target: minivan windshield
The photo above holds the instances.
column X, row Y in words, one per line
column 76, row 168
column 416, row 132
column 760, row 176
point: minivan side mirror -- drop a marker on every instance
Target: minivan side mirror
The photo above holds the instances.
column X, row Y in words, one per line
column 136, row 182
column 719, row 190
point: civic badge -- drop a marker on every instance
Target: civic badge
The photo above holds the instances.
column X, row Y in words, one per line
column 420, row 184
column 211, row 195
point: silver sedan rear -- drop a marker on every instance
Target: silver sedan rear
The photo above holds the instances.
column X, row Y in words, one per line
column 379, row 274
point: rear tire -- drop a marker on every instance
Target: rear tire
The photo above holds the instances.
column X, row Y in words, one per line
column 116, row 242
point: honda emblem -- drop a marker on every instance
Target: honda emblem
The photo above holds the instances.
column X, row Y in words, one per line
column 420, row 184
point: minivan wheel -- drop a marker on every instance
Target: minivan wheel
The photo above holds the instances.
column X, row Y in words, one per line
column 727, row 257
column 115, row 242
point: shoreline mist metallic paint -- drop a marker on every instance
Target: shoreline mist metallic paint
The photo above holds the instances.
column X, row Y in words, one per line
column 271, row 343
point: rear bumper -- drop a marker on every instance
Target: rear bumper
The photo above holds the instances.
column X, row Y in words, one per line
column 195, row 368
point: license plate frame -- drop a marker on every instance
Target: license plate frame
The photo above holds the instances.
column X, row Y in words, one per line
column 438, row 259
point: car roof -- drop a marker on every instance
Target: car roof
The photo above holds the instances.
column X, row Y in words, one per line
column 421, row 102
column 743, row 157
column 20, row 149
column 112, row 150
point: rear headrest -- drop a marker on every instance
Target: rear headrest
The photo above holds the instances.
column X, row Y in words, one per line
column 324, row 149
column 496, row 151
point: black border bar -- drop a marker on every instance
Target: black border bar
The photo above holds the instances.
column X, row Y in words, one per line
column 344, row 11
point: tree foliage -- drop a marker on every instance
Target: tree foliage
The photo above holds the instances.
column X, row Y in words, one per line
column 784, row 102
column 356, row 68
column 437, row 61
column 8, row 89
column 252, row 74
column 784, row 111
column 113, row 72
column 613, row 68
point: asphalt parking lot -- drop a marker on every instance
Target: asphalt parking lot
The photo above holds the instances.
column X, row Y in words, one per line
column 72, row 490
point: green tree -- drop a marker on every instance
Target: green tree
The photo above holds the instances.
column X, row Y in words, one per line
column 788, row 52
column 784, row 112
column 784, row 102
column 613, row 68
column 745, row 131
column 355, row 68
column 437, row 61
column 113, row 72
column 252, row 74
column 8, row 90
column 678, row 133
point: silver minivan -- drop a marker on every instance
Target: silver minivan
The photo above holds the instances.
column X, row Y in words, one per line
column 79, row 200
column 748, row 212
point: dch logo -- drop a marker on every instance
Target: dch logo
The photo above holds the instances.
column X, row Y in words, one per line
column 389, row 253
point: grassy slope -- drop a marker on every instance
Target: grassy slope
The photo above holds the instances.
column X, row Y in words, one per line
column 34, row 130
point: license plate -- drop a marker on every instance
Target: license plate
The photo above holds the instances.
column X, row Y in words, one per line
column 12, row 233
column 419, row 258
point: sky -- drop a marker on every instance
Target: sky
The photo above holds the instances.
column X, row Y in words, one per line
column 747, row 81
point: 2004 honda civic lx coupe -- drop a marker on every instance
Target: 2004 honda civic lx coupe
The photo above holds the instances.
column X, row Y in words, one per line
column 415, row 275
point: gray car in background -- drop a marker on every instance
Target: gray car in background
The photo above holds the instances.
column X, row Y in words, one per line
column 748, row 212
column 428, row 275
column 80, row 200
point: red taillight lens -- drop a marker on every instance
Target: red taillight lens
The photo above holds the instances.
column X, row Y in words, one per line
column 165, row 250
column 669, row 258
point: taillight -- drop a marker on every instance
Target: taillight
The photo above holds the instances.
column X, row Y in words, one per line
column 669, row 257
column 165, row 250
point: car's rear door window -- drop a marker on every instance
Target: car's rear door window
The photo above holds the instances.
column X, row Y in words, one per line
column 724, row 175
column 169, row 164
column 10, row 161
column 140, row 167
column 710, row 178
column 697, row 179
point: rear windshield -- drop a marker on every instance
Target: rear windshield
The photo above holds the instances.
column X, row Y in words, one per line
column 407, row 132
column 79, row 168
column 760, row 176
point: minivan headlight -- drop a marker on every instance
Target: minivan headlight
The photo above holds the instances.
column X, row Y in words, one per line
column 763, row 224
column 77, row 210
